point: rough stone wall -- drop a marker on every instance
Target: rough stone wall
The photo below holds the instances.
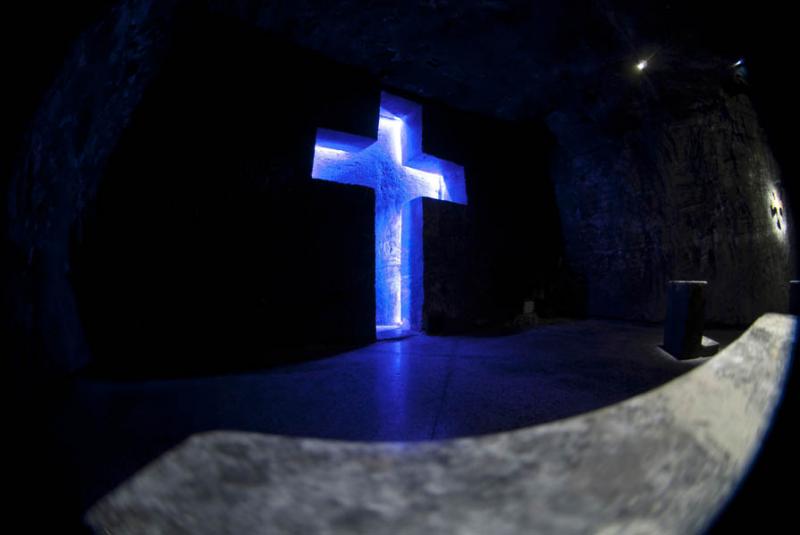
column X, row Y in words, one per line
column 660, row 177
column 64, row 157
column 69, row 141
column 207, row 236
column 670, row 177
column 448, row 270
column 503, row 58
column 672, row 184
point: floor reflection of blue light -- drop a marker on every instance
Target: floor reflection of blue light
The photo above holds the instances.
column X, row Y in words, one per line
column 395, row 167
column 393, row 390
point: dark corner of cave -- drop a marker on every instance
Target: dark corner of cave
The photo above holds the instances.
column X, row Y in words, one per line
column 290, row 255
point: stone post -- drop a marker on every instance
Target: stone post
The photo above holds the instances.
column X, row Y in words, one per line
column 683, row 326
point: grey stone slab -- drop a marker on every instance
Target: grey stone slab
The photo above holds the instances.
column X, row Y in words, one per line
column 661, row 462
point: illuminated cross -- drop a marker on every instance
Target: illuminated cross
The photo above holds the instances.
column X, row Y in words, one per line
column 397, row 169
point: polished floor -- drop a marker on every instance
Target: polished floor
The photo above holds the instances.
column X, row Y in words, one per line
column 416, row 388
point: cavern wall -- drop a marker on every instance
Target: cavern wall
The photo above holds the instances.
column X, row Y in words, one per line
column 669, row 176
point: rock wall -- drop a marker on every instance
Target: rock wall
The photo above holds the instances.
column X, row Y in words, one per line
column 206, row 237
column 82, row 119
column 169, row 102
column 668, row 175
column 63, row 156
column 663, row 176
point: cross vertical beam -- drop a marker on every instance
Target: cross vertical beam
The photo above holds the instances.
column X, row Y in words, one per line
column 397, row 169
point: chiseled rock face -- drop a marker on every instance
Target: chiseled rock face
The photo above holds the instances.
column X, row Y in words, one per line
column 667, row 178
column 70, row 139
column 662, row 462
column 668, row 175
column 661, row 176
column 502, row 58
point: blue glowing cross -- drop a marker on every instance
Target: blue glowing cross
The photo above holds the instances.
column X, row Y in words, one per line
column 397, row 169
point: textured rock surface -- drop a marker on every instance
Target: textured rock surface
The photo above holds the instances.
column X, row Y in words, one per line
column 661, row 462
column 674, row 182
column 112, row 79
column 69, row 142
column 659, row 177
column 78, row 131
column 500, row 58
column 666, row 178
column 505, row 58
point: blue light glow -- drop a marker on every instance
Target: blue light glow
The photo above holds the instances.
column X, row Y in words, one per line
column 397, row 169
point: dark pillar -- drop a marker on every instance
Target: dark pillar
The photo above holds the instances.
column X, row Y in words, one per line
column 683, row 327
column 794, row 298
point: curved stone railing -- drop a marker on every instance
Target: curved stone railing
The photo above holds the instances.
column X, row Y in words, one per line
column 664, row 461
